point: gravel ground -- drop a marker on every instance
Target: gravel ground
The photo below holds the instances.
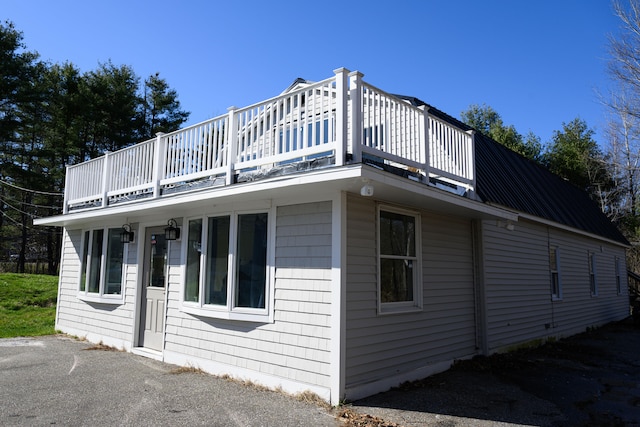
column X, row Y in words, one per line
column 592, row 379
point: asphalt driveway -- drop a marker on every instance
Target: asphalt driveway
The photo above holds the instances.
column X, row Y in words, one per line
column 592, row 379
column 56, row 380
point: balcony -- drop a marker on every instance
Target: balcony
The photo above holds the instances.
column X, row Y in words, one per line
column 338, row 121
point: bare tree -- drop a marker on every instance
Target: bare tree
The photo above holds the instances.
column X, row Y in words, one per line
column 624, row 66
column 623, row 152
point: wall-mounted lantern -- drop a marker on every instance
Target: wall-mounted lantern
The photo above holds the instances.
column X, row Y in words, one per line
column 172, row 232
column 126, row 236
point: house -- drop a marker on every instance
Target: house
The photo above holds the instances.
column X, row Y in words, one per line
column 334, row 238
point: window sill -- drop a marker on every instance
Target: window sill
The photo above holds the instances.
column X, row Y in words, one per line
column 102, row 299
column 398, row 309
column 258, row 317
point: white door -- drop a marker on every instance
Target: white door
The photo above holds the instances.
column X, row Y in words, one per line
column 153, row 289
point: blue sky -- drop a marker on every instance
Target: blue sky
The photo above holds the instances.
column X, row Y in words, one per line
column 537, row 63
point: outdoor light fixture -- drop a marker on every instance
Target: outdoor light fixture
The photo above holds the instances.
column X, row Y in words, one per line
column 172, row 232
column 127, row 235
column 509, row 225
column 367, row 189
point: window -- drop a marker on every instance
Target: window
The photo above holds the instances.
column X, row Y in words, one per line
column 399, row 286
column 194, row 249
column 251, row 261
column 217, row 261
column 556, row 288
column 618, row 279
column 101, row 268
column 226, row 265
column 592, row 274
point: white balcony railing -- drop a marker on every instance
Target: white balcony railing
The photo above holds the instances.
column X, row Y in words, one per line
column 333, row 117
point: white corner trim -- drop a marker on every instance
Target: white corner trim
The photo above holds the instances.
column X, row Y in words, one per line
column 338, row 297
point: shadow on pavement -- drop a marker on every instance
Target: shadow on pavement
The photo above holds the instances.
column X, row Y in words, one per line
column 589, row 379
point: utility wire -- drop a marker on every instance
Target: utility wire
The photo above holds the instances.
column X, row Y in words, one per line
column 13, row 220
column 32, row 191
column 21, row 211
column 38, row 230
column 5, row 197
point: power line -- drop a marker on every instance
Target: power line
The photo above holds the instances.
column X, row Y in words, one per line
column 46, row 193
column 29, row 204
column 18, row 210
column 14, row 221
column 38, row 230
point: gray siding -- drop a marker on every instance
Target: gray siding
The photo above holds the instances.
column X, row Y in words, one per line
column 380, row 346
column 296, row 345
column 518, row 284
column 111, row 323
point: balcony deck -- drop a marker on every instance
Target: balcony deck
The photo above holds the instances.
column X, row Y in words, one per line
column 337, row 121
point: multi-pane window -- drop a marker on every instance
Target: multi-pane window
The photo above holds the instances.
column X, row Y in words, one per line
column 227, row 262
column 593, row 284
column 102, row 259
column 556, row 288
column 398, row 255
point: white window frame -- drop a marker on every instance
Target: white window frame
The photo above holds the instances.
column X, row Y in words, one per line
column 555, row 296
column 593, row 278
column 402, row 306
column 618, row 276
column 230, row 311
column 85, row 261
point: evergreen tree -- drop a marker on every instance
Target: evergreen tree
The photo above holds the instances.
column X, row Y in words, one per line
column 160, row 108
column 486, row 120
column 52, row 116
column 19, row 83
column 110, row 95
column 575, row 156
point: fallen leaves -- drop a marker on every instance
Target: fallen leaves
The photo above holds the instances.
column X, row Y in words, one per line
column 354, row 419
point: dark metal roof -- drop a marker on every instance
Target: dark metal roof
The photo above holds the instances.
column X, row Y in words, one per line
column 507, row 179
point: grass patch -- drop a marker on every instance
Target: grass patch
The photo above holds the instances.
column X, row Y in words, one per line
column 27, row 304
column 103, row 347
column 312, row 399
column 187, row 370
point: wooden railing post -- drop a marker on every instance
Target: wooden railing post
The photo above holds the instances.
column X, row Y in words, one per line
column 425, row 141
column 341, row 114
column 159, row 157
column 67, row 189
column 231, row 140
column 355, row 88
column 471, row 153
column 105, row 179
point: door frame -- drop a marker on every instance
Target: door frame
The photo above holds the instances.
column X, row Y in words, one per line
column 142, row 233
